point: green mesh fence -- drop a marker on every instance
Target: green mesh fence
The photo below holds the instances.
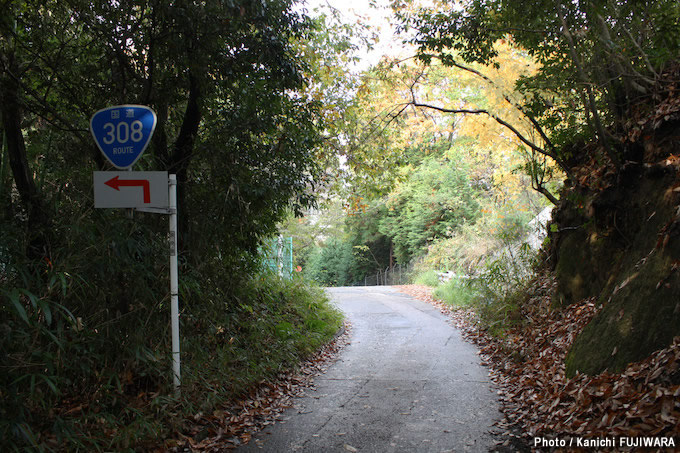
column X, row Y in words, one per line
column 278, row 255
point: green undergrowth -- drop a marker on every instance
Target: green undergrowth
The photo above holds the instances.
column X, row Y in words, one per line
column 274, row 325
column 85, row 341
column 427, row 278
column 456, row 292
column 496, row 304
column 492, row 277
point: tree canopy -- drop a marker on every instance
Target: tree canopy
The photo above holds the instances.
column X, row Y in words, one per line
column 87, row 289
column 597, row 58
column 225, row 81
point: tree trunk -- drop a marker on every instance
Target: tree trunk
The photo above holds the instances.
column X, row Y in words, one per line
column 602, row 134
column 10, row 113
column 183, row 152
column 5, row 184
column 391, row 256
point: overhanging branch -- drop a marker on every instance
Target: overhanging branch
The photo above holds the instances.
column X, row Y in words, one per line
column 532, row 120
column 496, row 118
column 536, row 183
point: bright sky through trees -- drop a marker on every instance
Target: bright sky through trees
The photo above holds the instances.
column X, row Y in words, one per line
column 376, row 14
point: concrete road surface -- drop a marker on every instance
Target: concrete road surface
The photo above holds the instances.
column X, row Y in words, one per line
column 407, row 382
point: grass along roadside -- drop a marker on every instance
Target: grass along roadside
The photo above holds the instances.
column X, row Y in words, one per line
column 234, row 339
column 284, row 327
column 236, row 423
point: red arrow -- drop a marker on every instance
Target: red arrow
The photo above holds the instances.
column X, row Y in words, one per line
column 118, row 183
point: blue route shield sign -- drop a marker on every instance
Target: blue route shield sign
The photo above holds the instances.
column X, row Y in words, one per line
column 123, row 132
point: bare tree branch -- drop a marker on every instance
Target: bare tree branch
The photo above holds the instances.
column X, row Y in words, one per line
column 552, row 151
column 498, row 119
column 589, row 92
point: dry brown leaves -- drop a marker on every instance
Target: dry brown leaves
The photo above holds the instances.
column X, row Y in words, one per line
column 648, row 118
column 229, row 427
column 653, row 111
column 528, row 367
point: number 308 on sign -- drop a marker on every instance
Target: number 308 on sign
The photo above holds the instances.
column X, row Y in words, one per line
column 123, row 132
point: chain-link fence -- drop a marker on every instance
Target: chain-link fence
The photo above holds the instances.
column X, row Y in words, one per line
column 397, row 275
column 277, row 254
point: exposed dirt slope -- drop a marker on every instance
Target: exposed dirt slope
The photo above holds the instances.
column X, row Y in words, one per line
column 616, row 237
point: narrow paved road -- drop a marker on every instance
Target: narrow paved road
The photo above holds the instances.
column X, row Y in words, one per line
column 407, row 382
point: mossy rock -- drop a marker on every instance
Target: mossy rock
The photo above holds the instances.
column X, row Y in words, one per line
column 618, row 255
column 579, row 271
column 588, row 247
column 641, row 317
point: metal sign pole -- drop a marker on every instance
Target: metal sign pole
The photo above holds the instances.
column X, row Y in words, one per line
column 174, row 291
column 122, row 133
column 130, row 211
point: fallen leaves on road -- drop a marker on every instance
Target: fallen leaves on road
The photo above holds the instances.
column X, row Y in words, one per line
column 536, row 396
column 229, row 427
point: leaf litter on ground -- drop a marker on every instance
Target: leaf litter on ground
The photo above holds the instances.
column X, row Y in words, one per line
column 236, row 424
column 536, row 396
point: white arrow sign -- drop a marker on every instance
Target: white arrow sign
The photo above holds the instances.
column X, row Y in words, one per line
column 131, row 189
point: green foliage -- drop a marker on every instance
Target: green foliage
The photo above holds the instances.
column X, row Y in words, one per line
column 500, row 286
column 225, row 81
column 427, row 278
column 310, row 230
column 372, row 248
column 597, row 58
column 333, row 264
column 84, row 292
column 492, row 266
column 89, row 316
column 457, row 292
column 270, row 325
column 437, row 199
column 233, row 335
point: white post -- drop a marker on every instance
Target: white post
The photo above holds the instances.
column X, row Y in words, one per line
column 130, row 212
column 279, row 255
column 174, row 290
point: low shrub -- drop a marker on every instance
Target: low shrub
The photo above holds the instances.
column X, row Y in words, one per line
column 271, row 325
column 457, row 292
column 80, row 375
column 501, row 285
column 427, row 278
column 496, row 266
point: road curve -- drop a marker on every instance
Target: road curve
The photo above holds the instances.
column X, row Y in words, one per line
column 407, row 382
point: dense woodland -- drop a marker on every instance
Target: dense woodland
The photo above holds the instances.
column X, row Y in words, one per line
column 85, row 292
column 432, row 161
